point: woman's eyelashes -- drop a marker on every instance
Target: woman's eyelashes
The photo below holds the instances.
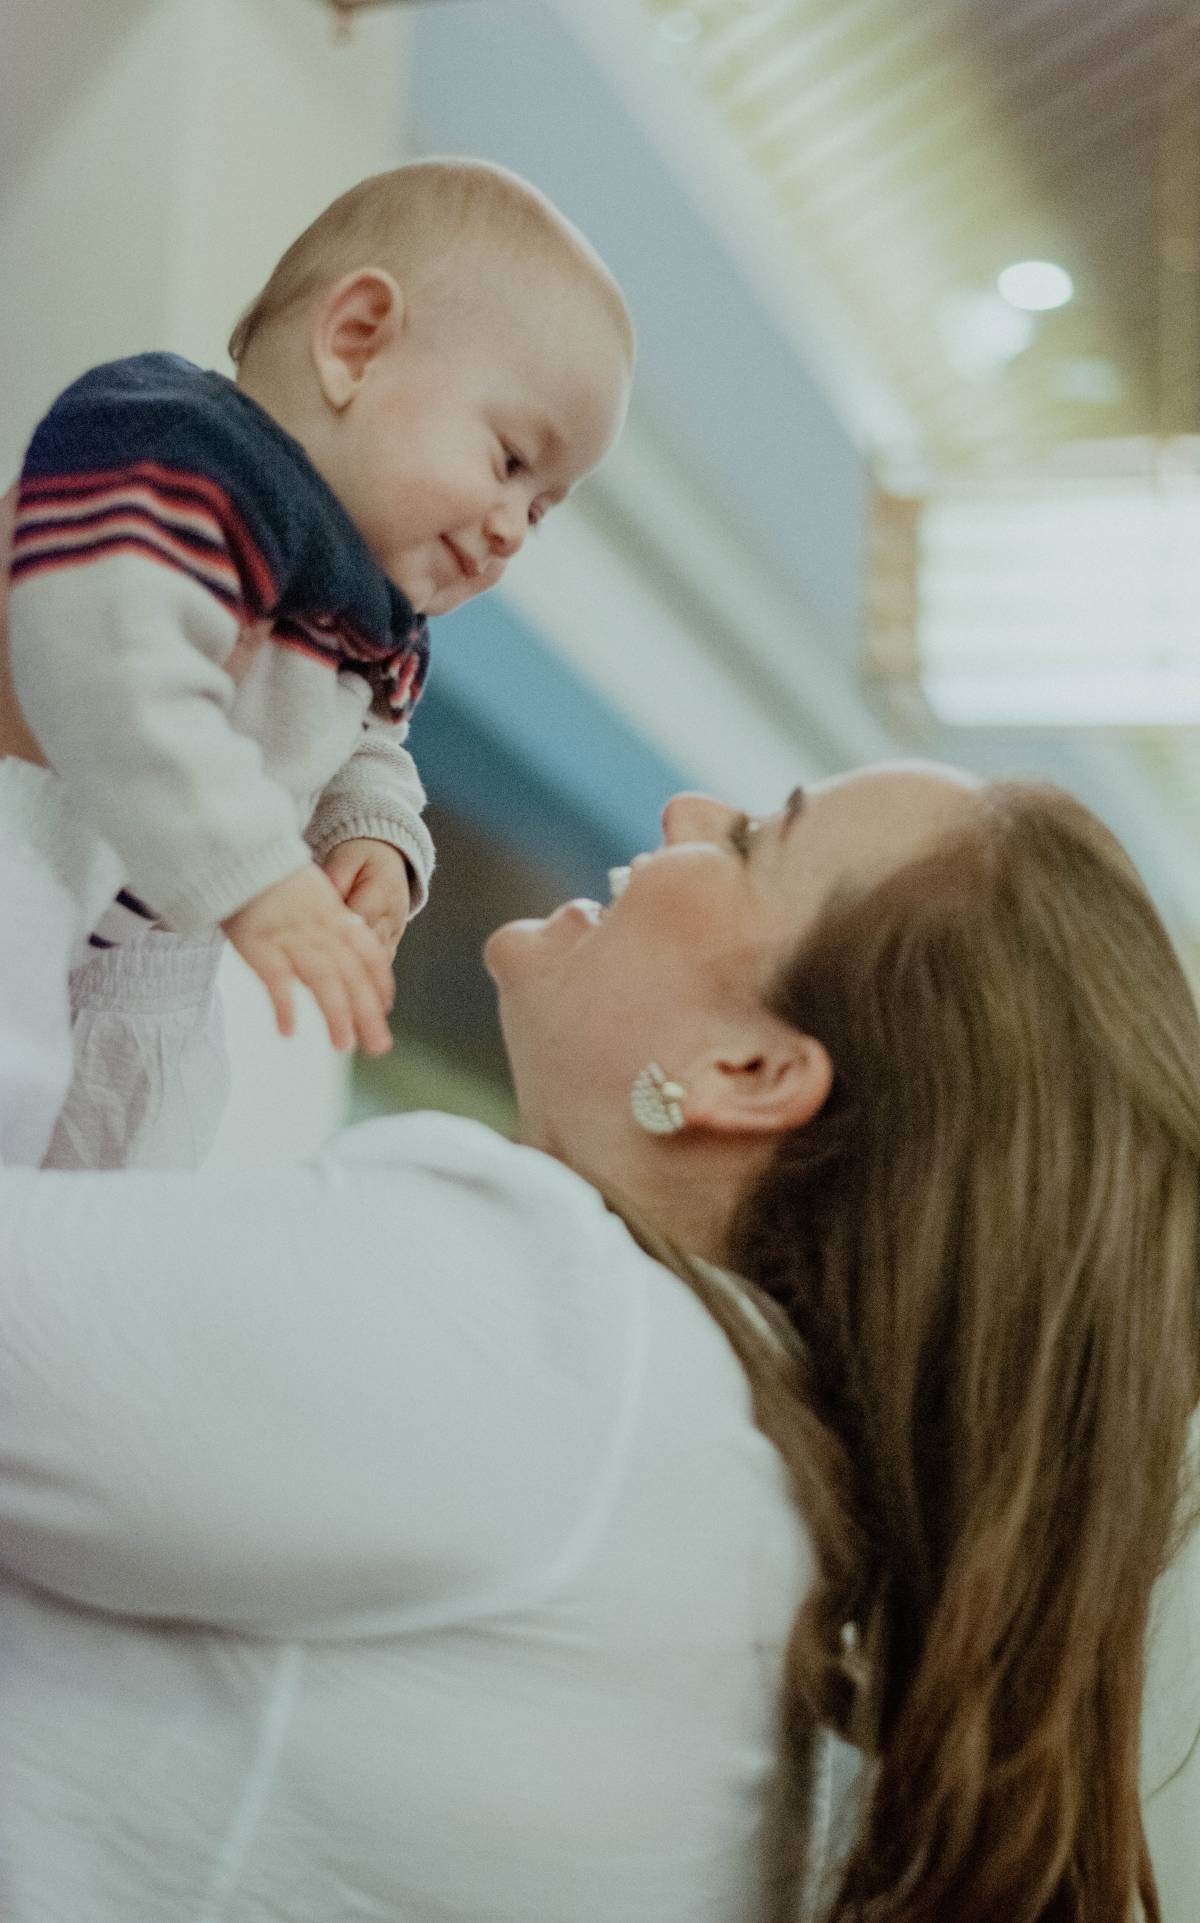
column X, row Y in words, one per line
column 741, row 834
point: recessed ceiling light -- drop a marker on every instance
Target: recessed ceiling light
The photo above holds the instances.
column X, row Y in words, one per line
column 1035, row 285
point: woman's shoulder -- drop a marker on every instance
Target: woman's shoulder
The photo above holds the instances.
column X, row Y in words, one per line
column 472, row 1200
column 453, row 1151
column 485, row 1213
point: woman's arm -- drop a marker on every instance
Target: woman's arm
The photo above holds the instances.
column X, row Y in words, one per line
column 344, row 1398
column 347, row 1398
column 56, row 876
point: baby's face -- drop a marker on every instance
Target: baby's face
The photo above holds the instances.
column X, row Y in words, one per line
column 471, row 426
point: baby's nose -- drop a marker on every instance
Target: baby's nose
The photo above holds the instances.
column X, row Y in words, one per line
column 505, row 529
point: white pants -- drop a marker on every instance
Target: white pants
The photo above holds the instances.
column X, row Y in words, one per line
column 144, row 1095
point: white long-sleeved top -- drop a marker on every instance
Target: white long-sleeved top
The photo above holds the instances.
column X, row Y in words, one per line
column 386, row 1538
column 156, row 1771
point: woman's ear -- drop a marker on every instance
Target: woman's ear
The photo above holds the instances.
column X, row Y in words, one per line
column 775, row 1081
column 354, row 321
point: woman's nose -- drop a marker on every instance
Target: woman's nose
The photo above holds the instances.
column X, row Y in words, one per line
column 693, row 817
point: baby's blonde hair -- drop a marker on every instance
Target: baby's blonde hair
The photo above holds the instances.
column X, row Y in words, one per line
column 416, row 221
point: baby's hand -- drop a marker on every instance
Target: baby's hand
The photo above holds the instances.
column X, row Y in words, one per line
column 372, row 878
column 300, row 929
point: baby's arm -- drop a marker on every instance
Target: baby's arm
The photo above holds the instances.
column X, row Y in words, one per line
column 368, row 835
column 131, row 583
column 118, row 665
column 153, row 525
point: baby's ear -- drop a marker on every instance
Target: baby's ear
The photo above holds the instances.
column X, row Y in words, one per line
column 355, row 319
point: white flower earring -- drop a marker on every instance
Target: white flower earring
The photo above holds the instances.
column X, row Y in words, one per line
column 656, row 1102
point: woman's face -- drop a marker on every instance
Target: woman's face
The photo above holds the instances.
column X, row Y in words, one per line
column 688, row 944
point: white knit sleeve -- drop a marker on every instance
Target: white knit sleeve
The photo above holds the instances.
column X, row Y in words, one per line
column 118, row 667
column 378, row 794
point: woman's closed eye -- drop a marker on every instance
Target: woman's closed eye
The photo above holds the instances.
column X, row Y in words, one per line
column 741, row 834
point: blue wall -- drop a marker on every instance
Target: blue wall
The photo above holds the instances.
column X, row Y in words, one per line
column 509, row 736
column 502, row 78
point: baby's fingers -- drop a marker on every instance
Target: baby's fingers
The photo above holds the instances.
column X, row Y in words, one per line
column 372, row 989
column 383, row 910
column 343, row 867
column 375, row 961
column 322, row 975
column 275, row 973
column 347, row 989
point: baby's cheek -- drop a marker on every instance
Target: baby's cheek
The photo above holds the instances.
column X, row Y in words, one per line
column 446, row 600
column 484, row 582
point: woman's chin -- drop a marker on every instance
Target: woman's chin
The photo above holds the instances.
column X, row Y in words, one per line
column 505, row 943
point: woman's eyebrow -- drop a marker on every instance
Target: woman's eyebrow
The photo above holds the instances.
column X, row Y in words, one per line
column 791, row 809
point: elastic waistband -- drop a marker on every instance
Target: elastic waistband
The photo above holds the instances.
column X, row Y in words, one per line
column 157, row 971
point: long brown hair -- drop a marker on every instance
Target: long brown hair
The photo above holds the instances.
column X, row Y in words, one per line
column 986, row 1249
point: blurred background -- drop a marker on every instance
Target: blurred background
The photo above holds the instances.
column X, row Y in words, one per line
column 912, row 463
column 912, row 466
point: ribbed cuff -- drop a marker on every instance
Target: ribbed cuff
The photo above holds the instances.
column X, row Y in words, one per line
column 417, row 852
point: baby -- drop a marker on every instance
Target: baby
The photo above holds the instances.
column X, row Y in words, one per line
column 219, row 591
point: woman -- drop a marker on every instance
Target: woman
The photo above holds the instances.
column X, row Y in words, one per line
column 396, row 1538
